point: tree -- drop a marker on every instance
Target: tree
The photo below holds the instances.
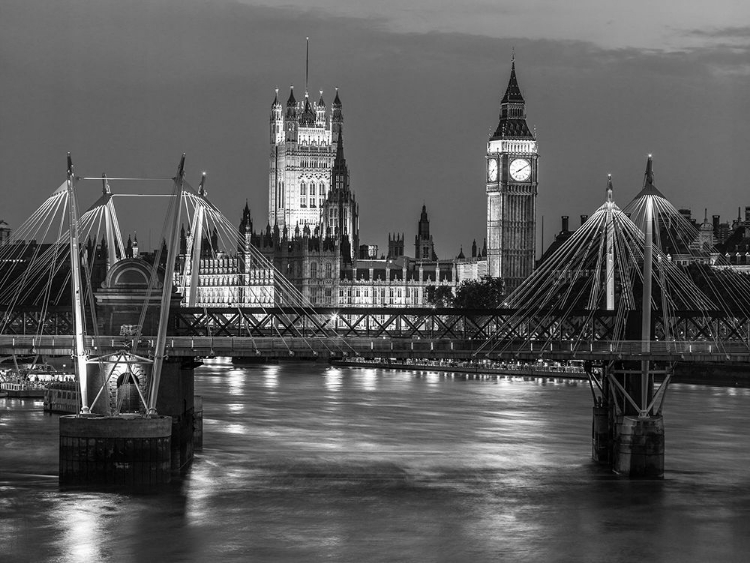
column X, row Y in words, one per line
column 486, row 293
column 439, row 296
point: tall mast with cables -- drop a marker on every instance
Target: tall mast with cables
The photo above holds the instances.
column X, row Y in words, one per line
column 166, row 296
column 75, row 274
column 648, row 254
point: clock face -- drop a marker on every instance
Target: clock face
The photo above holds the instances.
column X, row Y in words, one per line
column 492, row 170
column 520, row 169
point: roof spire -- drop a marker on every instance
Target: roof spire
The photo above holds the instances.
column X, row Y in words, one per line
column 307, row 61
column 340, row 150
column 513, row 92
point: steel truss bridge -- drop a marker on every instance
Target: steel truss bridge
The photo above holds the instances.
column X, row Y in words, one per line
column 396, row 333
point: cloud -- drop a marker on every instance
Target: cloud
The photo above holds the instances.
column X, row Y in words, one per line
column 742, row 33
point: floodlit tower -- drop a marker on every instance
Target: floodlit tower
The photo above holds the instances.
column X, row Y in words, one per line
column 511, row 187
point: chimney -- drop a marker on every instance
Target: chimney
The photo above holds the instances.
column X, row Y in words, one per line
column 584, row 218
column 716, row 224
column 564, row 223
column 747, row 214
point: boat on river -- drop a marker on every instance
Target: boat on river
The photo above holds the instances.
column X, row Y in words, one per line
column 62, row 397
column 30, row 381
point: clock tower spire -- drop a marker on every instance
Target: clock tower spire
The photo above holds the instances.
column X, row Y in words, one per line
column 511, row 187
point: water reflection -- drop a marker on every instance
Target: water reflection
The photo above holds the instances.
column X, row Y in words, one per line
column 302, row 462
column 367, row 379
column 271, row 377
column 83, row 538
column 235, row 381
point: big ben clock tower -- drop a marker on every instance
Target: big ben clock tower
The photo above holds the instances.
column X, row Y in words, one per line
column 511, row 191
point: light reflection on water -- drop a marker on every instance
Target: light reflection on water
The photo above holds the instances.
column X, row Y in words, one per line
column 308, row 463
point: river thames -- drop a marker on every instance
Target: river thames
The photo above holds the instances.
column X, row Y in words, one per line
column 306, row 463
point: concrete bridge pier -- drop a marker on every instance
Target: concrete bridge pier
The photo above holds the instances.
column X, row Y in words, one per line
column 131, row 448
column 601, row 435
column 602, row 423
column 639, row 447
column 625, row 436
column 638, row 429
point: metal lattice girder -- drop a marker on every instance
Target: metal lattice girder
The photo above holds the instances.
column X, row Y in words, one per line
column 504, row 328
column 479, row 326
column 414, row 322
column 28, row 320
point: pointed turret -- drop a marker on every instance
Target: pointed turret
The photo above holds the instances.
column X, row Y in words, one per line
column 337, row 118
column 320, row 112
column 291, row 105
column 291, row 117
column 513, row 91
column 609, row 188
column 512, row 124
column 423, row 245
column 308, row 115
column 340, row 162
column 336, row 101
column 246, row 223
column 277, row 121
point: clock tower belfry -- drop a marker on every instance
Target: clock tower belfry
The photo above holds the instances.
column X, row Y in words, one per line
column 511, row 184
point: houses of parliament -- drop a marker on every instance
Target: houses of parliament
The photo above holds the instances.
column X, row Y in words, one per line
column 312, row 233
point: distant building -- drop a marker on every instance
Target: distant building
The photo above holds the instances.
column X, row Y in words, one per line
column 312, row 234
column 5, row 232
column 304, row 139
column 736, row 247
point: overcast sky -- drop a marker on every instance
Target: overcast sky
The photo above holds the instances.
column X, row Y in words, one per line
column 128, row 86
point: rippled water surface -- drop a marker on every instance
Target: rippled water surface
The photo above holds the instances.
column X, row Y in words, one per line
column 303, row 462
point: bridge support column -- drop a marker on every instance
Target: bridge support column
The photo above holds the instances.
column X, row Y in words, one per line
column 129, row 451
column 176, row 400
column 603, row 420
column 601, row 435
column 639, row 447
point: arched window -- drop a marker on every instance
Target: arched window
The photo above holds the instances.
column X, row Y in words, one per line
column 329, row 273
column 314, row 270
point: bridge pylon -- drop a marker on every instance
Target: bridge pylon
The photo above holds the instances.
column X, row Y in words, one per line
column 138, row 428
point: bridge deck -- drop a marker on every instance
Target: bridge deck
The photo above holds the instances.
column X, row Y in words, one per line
column 335, row 347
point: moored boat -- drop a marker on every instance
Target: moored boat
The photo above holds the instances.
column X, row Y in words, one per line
column 62, row 397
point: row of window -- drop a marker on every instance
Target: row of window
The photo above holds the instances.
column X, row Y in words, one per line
column 411, row 293
column 311, row 202
column 314, row 163
column 314, row 270
column 303, row 202
column 303, row 188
